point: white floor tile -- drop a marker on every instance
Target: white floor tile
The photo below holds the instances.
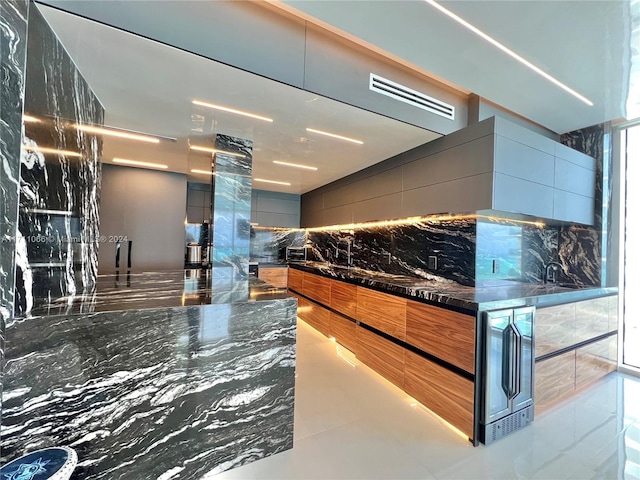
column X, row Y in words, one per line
column 350, row 423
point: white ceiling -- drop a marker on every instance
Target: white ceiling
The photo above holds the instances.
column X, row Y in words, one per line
column 148, row 87
column 585, row 44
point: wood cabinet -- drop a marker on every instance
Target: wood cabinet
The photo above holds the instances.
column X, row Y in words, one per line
column 318, row 288
column 445, row 334
column 343, row 298
column 382, row 311
column 295, row 280
column 343, row 330
column 440, row 390
column 381, row 355
column 275, row 276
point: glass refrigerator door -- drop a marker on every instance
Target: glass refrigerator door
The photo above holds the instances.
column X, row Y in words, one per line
column 523, row 318
column 496, row 399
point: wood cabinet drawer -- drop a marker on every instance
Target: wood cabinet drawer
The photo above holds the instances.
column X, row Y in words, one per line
column 343, row 330
column 381, row 355
column 318, row 288
column 295, row 280
column 274, row 276
column 443, row 333
column 445, row 393
column 314, row 315
column 343, row 298
column 382, row 311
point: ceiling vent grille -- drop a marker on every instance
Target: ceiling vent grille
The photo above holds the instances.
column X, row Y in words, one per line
column 410, row 96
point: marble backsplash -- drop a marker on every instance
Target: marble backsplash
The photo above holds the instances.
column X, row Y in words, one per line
column 404, row 249
column 56, row 250
column 469, row 250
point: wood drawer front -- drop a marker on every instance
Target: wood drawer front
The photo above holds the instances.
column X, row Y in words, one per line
column 344, row 331
column 343, row 298
column 555, row 380
column 295, row 280
column 381, row 355
column 316, row 316
column 443, row 333
column 382, row 311
column 445, row 393
column 318, row 288
column 275, row 276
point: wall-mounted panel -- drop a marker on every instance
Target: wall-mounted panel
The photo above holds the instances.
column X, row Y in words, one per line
column 380, row 208
column 574, row 178
column 146, row 207
column 457, row 196
column 521, row 196
column 571, row 207
column 465, row 160
column 522, row 161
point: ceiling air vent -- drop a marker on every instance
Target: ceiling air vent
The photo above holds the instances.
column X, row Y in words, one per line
column 410, row 96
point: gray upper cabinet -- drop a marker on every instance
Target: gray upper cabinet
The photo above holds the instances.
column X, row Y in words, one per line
column 493, row 165
column 536, row 176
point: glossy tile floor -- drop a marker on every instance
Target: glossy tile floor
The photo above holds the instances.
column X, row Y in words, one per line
column 352, row 424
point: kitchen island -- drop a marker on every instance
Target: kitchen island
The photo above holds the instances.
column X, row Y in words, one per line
column 425, row 336
column 155, row 375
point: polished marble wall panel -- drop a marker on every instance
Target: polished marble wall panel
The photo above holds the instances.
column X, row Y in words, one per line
column 584, row 251
column 13, row 35
column 159, row 393
column 269, row 245
column 404, row 249
column 231, row 208
column 56, row 252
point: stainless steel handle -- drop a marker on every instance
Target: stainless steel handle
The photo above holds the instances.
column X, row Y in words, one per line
column 510, row 362
column 517, row 363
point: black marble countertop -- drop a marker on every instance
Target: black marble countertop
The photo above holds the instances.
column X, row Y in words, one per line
column 490, row 295
column 175, row 288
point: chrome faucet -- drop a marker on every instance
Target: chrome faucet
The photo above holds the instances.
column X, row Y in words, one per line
column 551, row 272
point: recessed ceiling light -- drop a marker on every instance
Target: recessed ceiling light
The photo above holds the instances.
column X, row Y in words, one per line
column 116, row 132
column 334, row 135
column 509, row 52
column 138, row 163
column 271, row 181
column 30, row 119
column 55, row 151
column 214, row 150
column 231, row 110
column 203, row 172
column 296, row 165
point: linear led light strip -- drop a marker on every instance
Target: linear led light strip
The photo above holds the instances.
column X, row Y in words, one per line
column 296, row 165
column 335, row 135
column 55, row 151
column 231, row 110
column 115, row 132
column 214, row 150
column 138, row 163
column 203, row 172
column 30, row 119
column 271, row 181
column 509, row 52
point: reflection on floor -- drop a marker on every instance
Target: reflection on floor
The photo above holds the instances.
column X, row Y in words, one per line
column 352, row 424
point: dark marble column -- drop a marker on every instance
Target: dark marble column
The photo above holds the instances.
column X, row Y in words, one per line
column 56, row 246
column 584, row 250
column 13, row 36
column 231, row 214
